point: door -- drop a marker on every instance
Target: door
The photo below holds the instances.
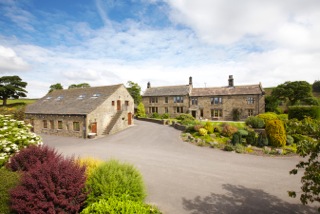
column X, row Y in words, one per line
column 129, row 118
column 194, row 114
column 94, row 127
column 118, row 105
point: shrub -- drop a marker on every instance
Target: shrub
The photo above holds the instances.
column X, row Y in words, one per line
column 203, row 131
column 120, row 205
column 263, row 140
column 141, row 112
column 90, row 164
column 14, row 135
column 268, row 116
column 115, row 179
column 209, row 127
column 283, row 117
column 255, row 122
column 239, row 148
column 16, row 111
column 155, row 115
column 197, row 127
column 236, row 114
column 30, row 157
column 243, row 132
column 55, row 186
column 8, row 180
column 228, row 130
column 251, row 138
column 217, row 129
column 186, row 119
column 236, row 138
column 228, row 147
column 301, row 112
column 165, row 116
column 290, row 140
column 276, row 133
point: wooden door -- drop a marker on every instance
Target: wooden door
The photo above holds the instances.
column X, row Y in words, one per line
column 118, row 105
column 94, row 127
column 129, row 118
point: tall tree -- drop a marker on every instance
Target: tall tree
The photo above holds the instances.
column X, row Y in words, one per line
column 135, row 91
column 12, row 87
column 56, row 86
column 294, row 92
column 81, row 85
column 316, row 86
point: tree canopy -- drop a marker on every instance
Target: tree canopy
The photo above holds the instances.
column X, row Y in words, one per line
column 12, row 87
column 56, row 86
column 135, row 91
column 81, row 85
column 294, row 92
column 316, row 86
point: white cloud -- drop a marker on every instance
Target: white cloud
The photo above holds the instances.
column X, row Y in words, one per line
column 9, row 61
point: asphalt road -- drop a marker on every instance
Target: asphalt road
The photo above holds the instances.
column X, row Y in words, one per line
column 184, row 178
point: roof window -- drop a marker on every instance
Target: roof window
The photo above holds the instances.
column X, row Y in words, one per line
column 95, row 95
column 59, row 97
column 81, row 97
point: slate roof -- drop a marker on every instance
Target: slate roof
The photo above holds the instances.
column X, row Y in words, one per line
column 220, row 91
column 168, row 91
column 76, row 101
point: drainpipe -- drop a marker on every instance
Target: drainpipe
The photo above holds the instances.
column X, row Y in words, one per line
column 85, row 126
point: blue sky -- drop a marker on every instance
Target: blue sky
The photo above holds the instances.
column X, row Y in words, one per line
column 105, row 42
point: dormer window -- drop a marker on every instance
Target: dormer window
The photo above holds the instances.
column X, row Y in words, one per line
column 48, row 98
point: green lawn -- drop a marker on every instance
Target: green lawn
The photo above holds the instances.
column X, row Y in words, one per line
column 11, row 103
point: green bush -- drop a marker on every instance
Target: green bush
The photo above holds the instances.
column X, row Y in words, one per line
column 120, row 205
column 243, row 132
column 185, row 119
column 239, row 148
column 301, row 112
column 236, row 138
column 165, row 116
column 115, row 179
column 228, row 130
column 155, row 115
column 263, row 140
column 8, row 180
column 228, row 147
column 209, row 127
column 283, row 117
column 276, row 133
column 197, row 127
column 255, row 122
column 251, row 138
column 268, row 116
column 203, row 131
column 141, row 112
column 290, row 140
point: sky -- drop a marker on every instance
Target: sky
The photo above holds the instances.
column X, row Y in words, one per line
column 164, row 42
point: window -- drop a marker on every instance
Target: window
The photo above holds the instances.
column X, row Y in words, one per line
column 216, row 100
column 166, row 100
column 178, row 99
column 76, row 126
column 216, row 113
column 45, row 124
column 59, row 97
column 179, row 109
column 153, row 109
column 127, row 103
column 112, row 103
column 250, row 112
column 81, row 97
column 153, row 100
column 250, row 100
column 194, row 101
column 51, row 124
column 59, row 124
column 166, row 110
column 96, row 95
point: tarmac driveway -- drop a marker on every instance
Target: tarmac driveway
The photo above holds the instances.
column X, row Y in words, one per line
column 183, row 178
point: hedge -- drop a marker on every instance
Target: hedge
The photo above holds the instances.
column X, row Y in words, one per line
column 301, row 112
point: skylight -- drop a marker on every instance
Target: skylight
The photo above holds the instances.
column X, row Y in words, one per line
column 95, row 95
column 81, row 97
column 59, row 98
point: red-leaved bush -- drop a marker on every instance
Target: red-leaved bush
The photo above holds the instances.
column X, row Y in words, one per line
column 55, row 185
column 28, row 158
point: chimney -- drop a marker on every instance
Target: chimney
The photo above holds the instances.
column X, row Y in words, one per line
column 190, row 81
column 231, row 84
column 148, row 85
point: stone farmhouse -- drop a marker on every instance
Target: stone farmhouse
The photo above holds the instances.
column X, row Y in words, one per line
column 82, row 112
column 213, row 103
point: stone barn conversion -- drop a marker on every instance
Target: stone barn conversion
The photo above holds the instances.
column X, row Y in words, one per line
column 231, row 102
column 82, row 112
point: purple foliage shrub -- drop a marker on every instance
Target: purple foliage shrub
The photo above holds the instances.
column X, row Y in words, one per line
column 30, row 157
column 52, row 185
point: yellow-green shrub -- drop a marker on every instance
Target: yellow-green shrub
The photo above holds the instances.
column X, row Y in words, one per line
column 90, row 163
column 203, row 131
column 268, row 116
column 209, row 127
column 276, row 133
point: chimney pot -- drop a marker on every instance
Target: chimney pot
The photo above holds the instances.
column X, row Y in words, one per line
column 231, row 82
